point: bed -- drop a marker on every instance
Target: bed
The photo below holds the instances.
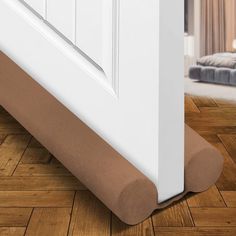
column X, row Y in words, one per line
column 219, row 68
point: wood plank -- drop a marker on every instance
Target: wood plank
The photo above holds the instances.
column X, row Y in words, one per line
column 11, row 152
column 49, row 221
column 41, row 170
column 89, row 217
column 12, row 231
column 210, row 137
column 190, row 106
column 229, row 198
column 36, row 198
column 219, row 110
column 209, row 198
column 7, row 118
column 2, row 110
column 9, row 128
column 225, row 103
column 210, row 119
column 44, row 183
column 173, row 216
column 54, row 161
column 203, row 101
column 2, row 138
column 14, row 216
column 214, row 216
column 143, row 229
column 195, row 231
column 229, row 141
column 34, row 155
column 227, row 180
column 202, row 127
column 34, row 143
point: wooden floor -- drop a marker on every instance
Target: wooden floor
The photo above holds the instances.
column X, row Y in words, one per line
column 38, row 196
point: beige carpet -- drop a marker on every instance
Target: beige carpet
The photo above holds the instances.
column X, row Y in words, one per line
column 210, row 90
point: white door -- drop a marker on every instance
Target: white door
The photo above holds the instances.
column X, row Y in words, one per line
column 117, row 65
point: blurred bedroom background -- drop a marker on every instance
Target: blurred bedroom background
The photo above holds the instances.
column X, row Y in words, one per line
column 210, row 48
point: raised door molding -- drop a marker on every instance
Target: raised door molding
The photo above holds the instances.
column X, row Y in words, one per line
column 62, row 15
column 91, row 26
column 38, row 5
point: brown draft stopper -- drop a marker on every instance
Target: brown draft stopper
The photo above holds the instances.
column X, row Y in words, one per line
column 117, row 183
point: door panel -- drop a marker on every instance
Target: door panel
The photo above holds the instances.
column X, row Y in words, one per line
column 89, row 37
column 91, row 25
column 95, row 37
column 61, row 15
column 37, row 5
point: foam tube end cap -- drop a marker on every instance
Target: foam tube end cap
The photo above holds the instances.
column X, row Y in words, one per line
column 203, row 170
column 137, row 201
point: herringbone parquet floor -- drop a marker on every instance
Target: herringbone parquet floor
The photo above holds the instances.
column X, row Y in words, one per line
column 39, row 197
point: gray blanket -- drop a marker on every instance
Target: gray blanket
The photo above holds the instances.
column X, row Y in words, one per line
column 227, row 60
